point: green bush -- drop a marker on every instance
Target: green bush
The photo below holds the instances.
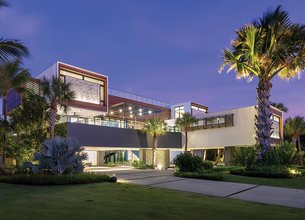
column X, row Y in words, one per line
column 244, row 156
column 264, row 171
column 55, row 180
column 141, row 165
column 186, row 162
column 224, row 168
column 207, row 165
column 120, row 163
column 200, row 175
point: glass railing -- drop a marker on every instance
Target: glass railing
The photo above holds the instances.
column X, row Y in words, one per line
column 138, row 98
column 110, row 123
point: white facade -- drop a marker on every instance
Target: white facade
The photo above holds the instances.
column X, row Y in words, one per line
column 241, row 134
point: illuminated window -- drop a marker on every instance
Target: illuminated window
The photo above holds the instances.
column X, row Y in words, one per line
column 179, row 111
column 197, row 111
column 275, row 126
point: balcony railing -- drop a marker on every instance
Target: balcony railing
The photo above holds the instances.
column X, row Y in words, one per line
column 110, row 123
column 138, row 98
column 214, row 122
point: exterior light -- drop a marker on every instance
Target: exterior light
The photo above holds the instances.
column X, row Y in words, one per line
column 131, row 116
column 129, row 107
column 149, row 111
column 111, row 112
column 140, row 113
column 140, row 110
column 131, row 112
column 120, row 110
column 159, row 167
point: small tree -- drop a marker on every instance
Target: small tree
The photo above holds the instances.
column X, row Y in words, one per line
column 295, row 127
column 58, row 94
column 280, row 106
column 185, row 123
column 154, row 127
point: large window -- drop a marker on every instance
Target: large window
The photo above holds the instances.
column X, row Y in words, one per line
column 86, row 89
column 197, row 110
column 179, row 111
column 275, row 127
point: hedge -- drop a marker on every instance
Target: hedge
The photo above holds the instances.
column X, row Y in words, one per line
column 56, row 180
column 265, row 171
column 197, row 175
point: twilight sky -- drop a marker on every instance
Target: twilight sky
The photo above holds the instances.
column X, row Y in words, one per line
column 164, row 49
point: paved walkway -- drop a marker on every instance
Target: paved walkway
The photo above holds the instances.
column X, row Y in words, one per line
column 248, row 192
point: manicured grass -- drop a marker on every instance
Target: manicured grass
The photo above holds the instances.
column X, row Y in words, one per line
column 124, row 201
column 297, row 182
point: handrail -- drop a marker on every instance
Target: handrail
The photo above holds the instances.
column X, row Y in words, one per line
column 128, row 95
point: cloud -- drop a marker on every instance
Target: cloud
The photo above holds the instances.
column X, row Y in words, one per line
column 16, row 24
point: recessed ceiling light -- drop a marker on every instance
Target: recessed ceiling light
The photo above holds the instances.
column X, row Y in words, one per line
column 130, row 112
column 149, row 111
column 111, row 112
column 121, row 110
column 129, row 107
column 140, row 114
column 140, row 110
column 131, row 116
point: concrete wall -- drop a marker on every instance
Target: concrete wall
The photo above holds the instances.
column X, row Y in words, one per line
column 241, row 134
column 162, row 157
column 99, row 136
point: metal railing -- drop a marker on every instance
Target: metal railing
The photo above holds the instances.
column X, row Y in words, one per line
column 127, row 95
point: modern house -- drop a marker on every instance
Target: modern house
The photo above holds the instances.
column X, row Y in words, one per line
column 108, row 122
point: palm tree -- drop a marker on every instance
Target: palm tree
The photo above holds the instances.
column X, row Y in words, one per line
column 57, row 94
column 11, row 50
column 280, row 106
column 295, row 127
column 185, row 123
column 154, row 127
column 267, row 47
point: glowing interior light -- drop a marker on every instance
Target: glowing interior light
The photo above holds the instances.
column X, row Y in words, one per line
column 159, row 167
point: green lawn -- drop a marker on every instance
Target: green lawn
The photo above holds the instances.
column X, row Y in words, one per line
column 124, row 201
column 297, row 183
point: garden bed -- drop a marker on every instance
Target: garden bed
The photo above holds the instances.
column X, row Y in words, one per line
column 55, row 180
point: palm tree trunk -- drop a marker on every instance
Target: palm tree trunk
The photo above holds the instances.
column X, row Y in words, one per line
column 263, row 121
column 154, row 159
column 52, row 121
column 300, row 150
column 185, row 146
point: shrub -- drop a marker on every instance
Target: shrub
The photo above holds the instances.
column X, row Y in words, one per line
column 201, row 175
column 186, row 162
column 207, row 165
column 141, row 165
column 55, row 180
column 58, row 156
column 225, row 168
column 264, row 171
column 244, row 156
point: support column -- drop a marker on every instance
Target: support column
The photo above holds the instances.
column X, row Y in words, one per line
column 228, row 153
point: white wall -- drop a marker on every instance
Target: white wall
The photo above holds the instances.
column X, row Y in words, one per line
column 241, row 134
column 49, row 72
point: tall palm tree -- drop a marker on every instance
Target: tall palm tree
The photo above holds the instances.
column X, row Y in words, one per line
column 154, row 127
column 295, row 127
column 280, row 106
column 185, row 123
column 57, row 94
column 11, row 50
column 268, row 47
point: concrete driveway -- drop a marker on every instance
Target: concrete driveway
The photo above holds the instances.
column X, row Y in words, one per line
column 248, row 192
